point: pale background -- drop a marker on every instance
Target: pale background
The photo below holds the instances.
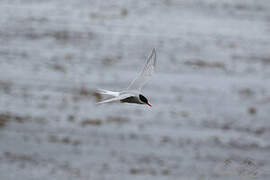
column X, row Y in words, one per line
column 210, row 94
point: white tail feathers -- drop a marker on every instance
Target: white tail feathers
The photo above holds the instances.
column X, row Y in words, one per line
column 108, row 100
column 111, row 93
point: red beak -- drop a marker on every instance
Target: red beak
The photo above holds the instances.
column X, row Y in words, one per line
column 149, row 104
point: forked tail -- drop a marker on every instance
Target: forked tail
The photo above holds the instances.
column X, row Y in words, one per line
column 106, row 92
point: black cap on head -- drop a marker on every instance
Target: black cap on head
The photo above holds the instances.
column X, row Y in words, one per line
column 143, row 99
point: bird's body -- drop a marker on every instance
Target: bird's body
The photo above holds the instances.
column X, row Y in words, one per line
column 123, row 97
column 132, row 99
column 133, row 93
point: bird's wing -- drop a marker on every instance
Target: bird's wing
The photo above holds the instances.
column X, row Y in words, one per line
column 118, row 98
column 145, row 74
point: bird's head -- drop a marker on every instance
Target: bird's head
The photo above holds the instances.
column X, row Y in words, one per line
column 144, row 100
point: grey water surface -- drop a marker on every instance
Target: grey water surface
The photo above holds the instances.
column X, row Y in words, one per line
column 210, row 93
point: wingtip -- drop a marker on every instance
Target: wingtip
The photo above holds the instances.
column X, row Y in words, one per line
column 154, row 53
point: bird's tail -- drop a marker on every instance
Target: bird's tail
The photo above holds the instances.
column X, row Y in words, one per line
column 106, row 92
column 108, row 100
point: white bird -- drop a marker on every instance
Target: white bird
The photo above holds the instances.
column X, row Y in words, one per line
column 133, row 94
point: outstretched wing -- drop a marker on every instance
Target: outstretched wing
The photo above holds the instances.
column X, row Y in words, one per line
column 118, row 98
column 144, row 76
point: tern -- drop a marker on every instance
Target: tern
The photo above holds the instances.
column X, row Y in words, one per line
column 133, row 94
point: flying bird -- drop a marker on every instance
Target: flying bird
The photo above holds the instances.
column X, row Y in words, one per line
column 133, row 94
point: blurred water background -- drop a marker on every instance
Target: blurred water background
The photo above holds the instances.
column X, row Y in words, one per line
column 210, row 94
